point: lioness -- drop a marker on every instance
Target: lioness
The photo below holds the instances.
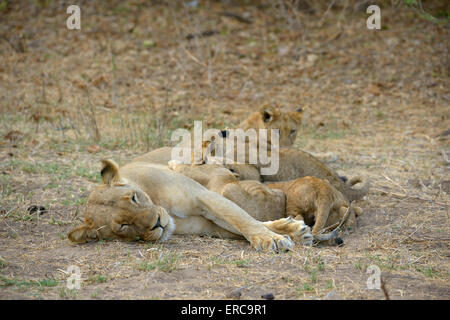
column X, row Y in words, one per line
column 150, row 202
column 318, row 203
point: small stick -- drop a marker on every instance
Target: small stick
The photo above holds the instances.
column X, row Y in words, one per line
column 383, row 288
column 93, row 120
column 412, row 197
column 396, row 183
column 337, row 225
column 412, row 232
column 193, row 57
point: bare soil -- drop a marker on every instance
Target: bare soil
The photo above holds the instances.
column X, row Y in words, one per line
column 377, row 101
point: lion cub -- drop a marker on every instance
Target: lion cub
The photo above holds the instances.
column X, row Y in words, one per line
column 270, row 117
column 318, row 204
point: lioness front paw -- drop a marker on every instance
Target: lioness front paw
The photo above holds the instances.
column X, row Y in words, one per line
column 296, row 229
column 271, row 242
column 301, row 232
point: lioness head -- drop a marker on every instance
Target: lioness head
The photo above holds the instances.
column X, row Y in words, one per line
column 120, row 209
column 269, row 117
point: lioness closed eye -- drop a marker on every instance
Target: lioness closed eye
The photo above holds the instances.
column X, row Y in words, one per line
column 118, row 209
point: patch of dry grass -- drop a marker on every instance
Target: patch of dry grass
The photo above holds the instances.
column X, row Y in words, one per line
column 377, row 100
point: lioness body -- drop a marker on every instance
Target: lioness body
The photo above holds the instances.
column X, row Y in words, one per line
column 293, row 164
column 308, row 199
column 255, row 198
column 151, row 202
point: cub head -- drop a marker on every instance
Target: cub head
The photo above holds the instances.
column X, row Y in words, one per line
column 269, row 117
column 121, row 210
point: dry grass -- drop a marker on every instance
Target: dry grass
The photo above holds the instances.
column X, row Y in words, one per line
column 378, row 100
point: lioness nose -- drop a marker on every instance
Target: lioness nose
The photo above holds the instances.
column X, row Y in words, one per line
column 158, row 224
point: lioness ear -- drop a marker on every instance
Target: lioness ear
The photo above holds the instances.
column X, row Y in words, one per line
column 267, row 113
column 110, row 172
column 82, row 234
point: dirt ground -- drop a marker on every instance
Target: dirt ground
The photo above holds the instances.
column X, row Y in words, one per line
column 377, row 103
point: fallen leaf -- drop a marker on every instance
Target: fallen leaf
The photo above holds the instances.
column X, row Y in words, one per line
column 93, row 149
column 13, row 135
column 99, row 82
column 373, row 89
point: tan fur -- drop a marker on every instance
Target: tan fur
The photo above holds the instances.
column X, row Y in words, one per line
column 296, row 164
column 311, row 200
column 316, row 202
column 269, row 117
column 292, row 164
column 151, row 202
column 254, row 197
column 160, row 156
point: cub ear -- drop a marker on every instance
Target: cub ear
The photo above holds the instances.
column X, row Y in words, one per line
column 82, row 234
column 267, row 113
column 110, row 172
column 297, row 115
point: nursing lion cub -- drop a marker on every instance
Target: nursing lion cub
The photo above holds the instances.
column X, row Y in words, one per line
column 148, row 201
column 318, row 204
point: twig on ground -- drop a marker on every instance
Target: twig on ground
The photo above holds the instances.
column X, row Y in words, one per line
column 384, row 289
column 412, row 197
column 408, row 236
